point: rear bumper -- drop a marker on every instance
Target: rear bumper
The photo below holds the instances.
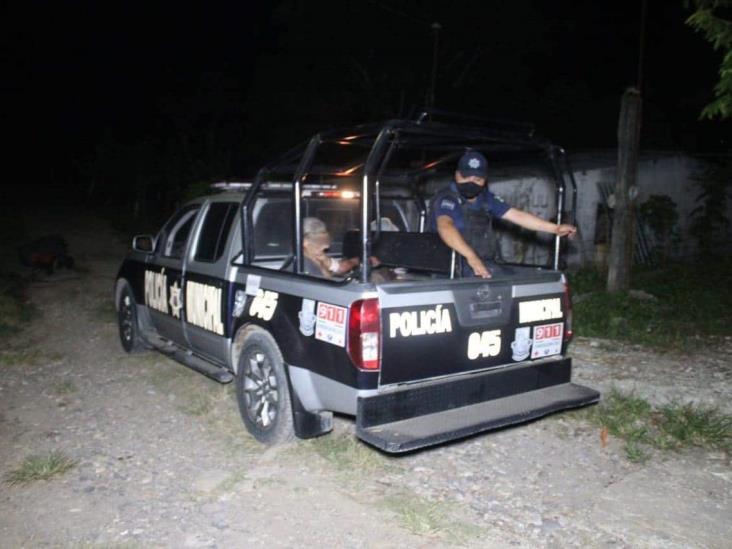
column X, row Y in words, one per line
column 412, row 418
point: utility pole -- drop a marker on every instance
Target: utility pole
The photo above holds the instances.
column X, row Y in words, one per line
column 620, row 258
column 436, row 28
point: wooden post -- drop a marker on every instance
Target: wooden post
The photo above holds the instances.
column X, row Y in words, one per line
column 620, row 258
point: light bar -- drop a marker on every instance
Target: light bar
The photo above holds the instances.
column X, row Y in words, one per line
column 231, row 186
column 346, row 195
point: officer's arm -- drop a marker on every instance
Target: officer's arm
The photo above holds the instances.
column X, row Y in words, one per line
column 452, row 237
column 530, row 221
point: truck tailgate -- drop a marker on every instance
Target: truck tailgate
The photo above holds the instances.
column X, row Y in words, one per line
column 431, row 330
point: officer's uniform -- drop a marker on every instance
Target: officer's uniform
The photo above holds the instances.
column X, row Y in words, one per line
column 473, row 220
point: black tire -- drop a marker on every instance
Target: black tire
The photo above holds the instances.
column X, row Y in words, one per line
column 262, row 390
column 129, row 330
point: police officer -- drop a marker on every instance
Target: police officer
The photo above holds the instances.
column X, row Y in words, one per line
column 462, row 215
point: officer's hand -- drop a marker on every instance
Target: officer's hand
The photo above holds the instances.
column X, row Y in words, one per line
column 479, row 267
column 566, row 230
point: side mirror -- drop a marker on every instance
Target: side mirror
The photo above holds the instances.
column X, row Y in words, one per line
column 143, row 243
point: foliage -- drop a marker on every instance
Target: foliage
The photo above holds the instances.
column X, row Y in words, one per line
column 688, row 303
column 40, row 467
column 718, row 31
column 709, row 222
column 674, row 426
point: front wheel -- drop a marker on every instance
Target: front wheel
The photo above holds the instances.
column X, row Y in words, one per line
column 129, row 331
column 262, row 391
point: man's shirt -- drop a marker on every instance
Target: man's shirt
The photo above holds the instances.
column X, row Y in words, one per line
column 450, row 204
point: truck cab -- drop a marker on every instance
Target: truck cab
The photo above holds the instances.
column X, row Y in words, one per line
column 418, row 354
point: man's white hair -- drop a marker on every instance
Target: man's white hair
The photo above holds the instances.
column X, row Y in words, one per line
column 313, row 225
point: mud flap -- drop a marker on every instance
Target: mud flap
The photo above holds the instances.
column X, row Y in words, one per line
column 411, row 418
column 308, row 424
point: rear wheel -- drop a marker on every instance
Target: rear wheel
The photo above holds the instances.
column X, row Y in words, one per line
column 262, row 391
column 129, row 331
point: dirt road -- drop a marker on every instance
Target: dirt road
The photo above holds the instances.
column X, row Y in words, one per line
column 162, row 459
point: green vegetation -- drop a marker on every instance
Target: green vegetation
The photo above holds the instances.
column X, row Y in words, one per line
column 40, row 468
column 430, row 518
column 355, row 463
column 15, row 311
column 12, row 357
column 105, row 311
column 708, row 20
column 346, row 452
column 674, row 426
column 687, row 304
column 65, row 388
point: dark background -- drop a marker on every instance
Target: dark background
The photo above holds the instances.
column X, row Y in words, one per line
column 107, row 102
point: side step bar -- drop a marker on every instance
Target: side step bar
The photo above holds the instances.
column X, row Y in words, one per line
column 217, row 373
column 413, row 418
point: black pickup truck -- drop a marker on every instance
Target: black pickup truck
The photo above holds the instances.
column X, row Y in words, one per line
column 418, row 354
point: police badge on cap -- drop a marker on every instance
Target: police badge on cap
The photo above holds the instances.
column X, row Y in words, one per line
column 473, row 163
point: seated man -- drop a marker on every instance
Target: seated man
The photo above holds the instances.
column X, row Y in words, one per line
column 461, row 214
column 315, row 242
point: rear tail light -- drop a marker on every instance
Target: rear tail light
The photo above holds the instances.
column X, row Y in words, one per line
column 567, row 309
column 364, row 332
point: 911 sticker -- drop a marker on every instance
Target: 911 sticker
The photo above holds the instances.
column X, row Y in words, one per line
column 547, row 340
column 330, row 324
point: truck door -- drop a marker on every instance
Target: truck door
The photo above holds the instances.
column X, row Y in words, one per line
column 207, row 282
column 164, row 275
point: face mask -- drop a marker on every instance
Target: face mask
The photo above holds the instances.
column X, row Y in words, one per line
column 469, row 189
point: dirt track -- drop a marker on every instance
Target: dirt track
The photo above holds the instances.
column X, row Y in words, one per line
column 162, row 458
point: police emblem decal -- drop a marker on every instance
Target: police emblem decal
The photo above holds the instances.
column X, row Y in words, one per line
column 307, row 317
column 175, row 301
column 521, row 345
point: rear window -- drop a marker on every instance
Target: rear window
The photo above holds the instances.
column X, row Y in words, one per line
column 215, row 231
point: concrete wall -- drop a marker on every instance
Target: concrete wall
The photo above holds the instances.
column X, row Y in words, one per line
column 658, row 173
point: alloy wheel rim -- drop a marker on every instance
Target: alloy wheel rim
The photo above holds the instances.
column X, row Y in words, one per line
column 126, row 319
column 260, row 390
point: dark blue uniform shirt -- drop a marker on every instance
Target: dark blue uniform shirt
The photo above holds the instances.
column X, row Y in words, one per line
column 449, row 204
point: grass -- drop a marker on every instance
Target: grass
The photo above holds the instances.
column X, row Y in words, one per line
column 105, row 311
column 346, row 453
column 674, row 426
column 15, row 310
column 202, row 399
column 23, row 356
column 692, row 305
column 417, row 515
column 40, row 467
column 430, row 518
column 29, row 357
column 357, row 464
column 65, row 388
column 200, row 403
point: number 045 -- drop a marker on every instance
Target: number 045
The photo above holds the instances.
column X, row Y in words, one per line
column 484, row 344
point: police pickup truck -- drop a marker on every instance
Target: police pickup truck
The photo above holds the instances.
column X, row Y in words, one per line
column 418, row 354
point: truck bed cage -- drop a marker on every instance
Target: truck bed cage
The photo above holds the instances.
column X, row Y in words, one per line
column 370, row 148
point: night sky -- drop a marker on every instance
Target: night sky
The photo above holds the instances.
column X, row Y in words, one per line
column 213, row 90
